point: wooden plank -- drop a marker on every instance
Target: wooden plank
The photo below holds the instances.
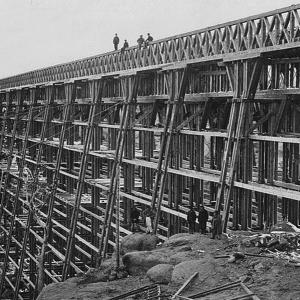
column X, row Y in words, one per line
column 216, row 289
column 185, row 285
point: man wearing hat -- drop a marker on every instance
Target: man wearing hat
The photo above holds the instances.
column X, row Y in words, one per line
column 202, row 219
column 191, row 219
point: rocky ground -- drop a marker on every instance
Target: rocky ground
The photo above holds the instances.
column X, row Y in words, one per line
column 235, row 257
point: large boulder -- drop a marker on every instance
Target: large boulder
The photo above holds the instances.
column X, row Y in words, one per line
column 54, row 291
column 180, row 239
column 161, row 273
column 138, row 242
column 179, row 257
column 139, row 262
column 184, row 270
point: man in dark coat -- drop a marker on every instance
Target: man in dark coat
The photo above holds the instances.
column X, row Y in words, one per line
column 125, row 46
column 135, row 214
column 149, row 39
column 140, row 41
column 216, row 225
column 202, row 218
column 191, row 219
column 116, row 41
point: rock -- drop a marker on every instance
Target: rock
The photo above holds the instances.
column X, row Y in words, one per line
column 179, row 257
column 140, row 262
column 161, row 273
column 180, row 240
column 122, row 274
column 276, row 270
column 186, row 269
column 246, row 242
column 112, row 277
column 258, row 267
column 184, row 248
column 231, row 259
column 138, row 242
column 53, row 288
column 93, row 275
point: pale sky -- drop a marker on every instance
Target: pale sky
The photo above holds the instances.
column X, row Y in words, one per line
column 40, row 33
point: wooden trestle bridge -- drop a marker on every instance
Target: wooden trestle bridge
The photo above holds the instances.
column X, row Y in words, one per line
column 210, row 116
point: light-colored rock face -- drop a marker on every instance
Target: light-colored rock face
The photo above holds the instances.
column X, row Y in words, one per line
column 184, row 270
column 138, row 242
column 92, row 291
column 140, row 262
column 161, row 273
column 55, row 290
column 179, row 240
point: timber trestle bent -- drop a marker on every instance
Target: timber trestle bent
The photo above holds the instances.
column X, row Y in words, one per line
column 209, row 117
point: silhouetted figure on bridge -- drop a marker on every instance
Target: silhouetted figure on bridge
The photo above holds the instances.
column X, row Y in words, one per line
column 140, row 41
column 125, row 46
column 149, row 39
column 116, row 41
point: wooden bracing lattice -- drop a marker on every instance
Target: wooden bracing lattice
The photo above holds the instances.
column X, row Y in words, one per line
column 199, row 121
column 263, row 32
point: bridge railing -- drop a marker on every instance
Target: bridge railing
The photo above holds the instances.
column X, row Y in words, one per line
column 277, row 27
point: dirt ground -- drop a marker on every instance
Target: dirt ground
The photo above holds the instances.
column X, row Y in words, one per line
column 268, row 277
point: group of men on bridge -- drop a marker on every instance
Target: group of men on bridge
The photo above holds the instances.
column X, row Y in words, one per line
column 140, row 41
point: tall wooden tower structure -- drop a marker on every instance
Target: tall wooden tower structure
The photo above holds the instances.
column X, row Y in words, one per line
column 210, row 116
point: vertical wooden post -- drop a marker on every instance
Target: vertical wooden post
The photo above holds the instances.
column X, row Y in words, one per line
column 243, row 77
column 130, row 88
column 176, row 98
column 96, row 94
column 53, row 187
column 46, row 123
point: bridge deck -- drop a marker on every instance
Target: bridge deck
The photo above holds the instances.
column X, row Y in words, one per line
column 275, row 30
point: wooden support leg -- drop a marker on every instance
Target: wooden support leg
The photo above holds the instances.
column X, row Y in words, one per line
column 96, row 93
column 243, row 77
column 130, row 86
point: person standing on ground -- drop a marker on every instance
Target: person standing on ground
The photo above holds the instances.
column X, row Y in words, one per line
column 216, row 225
column 202, row 218
column 140, row 41
column 148, row 219
column 191, row 219
column 116, row 41
column 134, row 214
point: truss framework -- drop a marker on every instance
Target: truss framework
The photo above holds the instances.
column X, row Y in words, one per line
column 222, row 133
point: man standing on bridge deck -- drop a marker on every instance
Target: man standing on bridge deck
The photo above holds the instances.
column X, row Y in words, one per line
column 116, row 41
column 149, row 39
column 140, row 41
column 125, row 46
